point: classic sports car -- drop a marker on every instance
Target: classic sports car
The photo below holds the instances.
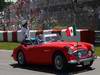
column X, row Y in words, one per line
column 51, row 50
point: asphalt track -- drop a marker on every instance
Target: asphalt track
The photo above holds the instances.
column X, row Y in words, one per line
column 10, row 67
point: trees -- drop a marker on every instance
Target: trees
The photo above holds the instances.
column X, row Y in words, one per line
column 3, row 4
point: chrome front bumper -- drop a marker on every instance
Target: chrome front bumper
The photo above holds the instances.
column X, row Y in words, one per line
column 82, row 60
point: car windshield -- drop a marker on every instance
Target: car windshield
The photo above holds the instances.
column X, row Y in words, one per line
column 45, row 38
column 49, row 38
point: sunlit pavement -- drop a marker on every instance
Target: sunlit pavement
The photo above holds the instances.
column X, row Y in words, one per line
column 10, row 67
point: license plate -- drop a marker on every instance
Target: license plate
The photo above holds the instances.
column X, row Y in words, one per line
column 86, row 63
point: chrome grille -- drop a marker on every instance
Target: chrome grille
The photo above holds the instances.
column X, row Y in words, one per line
column 80, row 53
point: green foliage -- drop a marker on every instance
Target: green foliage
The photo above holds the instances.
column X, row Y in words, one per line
column 4, row 4
column 1, row 5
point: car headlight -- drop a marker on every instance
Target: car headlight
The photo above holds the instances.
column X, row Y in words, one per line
column 89, row 53
column 70, row 51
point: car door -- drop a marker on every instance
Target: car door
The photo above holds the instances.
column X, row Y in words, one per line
column 39, row 54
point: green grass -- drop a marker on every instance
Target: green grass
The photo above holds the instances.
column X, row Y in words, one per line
column 97, row 50
column 8, row 45
column 12, row 45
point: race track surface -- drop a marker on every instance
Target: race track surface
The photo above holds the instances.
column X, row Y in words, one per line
column 9, row 67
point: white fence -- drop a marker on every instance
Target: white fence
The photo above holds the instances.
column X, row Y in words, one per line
column 83, row 35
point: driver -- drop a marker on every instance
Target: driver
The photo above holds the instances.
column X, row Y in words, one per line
column 40, row 38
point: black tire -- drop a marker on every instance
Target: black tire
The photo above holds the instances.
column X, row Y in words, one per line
column 87, row 66
column 59, row 62
column 21, row 58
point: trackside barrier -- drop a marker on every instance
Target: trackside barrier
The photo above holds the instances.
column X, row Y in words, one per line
column 83, row 35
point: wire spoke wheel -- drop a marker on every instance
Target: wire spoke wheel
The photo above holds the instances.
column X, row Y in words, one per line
column 59, row 62
column 20, row 58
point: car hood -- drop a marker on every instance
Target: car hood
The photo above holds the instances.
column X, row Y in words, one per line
column 72, row 45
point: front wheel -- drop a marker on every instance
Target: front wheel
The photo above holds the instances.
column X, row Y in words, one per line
column 59, row 62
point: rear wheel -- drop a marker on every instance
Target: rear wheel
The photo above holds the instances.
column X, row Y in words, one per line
column 21, row 58
column 59, row 62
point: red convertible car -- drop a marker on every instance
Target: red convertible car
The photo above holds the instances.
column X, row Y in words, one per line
column 49, row 49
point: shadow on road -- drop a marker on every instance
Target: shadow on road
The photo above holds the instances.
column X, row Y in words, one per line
column 50, row 69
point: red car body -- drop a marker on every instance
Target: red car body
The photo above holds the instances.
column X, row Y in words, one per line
column 74, row 52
